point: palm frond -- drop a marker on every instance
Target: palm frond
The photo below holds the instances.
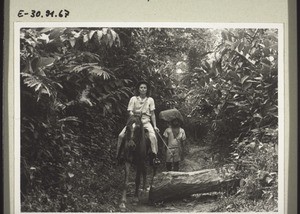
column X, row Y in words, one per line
column 70, row 118
column 93, row 69
column 41, row 84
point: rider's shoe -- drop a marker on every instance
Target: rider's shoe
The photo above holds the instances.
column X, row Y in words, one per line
column 156, row 161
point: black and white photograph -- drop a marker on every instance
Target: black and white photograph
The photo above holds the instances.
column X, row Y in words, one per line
column 149, row 117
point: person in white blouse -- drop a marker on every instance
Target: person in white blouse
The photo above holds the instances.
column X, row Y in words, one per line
column 144, row 106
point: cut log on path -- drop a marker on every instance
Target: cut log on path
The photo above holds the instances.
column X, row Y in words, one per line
column 174, row 185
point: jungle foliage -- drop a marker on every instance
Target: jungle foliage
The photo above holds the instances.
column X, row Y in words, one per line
column 76, row 83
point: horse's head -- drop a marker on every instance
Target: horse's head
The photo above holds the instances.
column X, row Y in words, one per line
column 134, row 122
column 134, row 133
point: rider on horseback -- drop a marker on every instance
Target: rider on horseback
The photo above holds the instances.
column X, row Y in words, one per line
column 142, row 105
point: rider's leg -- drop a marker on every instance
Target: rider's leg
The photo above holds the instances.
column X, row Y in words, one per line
column 152, row 137
column 153, row 140
column 120, row 140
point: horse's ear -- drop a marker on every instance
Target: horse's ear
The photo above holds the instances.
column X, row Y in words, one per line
column 130, row 120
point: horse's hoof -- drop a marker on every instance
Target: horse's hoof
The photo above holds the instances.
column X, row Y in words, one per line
column 135, row 199
column 122, row 206
column 144, row 196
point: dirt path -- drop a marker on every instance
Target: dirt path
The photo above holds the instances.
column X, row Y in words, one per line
column 196, row 203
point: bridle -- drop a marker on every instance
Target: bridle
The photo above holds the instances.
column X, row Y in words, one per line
column 132, row 126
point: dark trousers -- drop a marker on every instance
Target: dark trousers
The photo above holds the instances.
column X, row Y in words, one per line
column 175, row 166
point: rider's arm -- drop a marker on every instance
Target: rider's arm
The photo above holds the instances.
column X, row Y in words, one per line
column 131, row 106
column 153, row 119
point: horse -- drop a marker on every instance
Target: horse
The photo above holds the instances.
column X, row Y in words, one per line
column 135, row 149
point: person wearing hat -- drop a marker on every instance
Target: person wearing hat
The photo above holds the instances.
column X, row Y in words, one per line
column 143, row 105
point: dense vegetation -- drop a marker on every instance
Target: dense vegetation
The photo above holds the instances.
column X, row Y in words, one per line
column 75, row 85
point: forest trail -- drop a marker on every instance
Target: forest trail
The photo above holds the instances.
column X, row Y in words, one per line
column 194, row 161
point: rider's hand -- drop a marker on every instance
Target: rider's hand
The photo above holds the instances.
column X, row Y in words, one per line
column 156, row 129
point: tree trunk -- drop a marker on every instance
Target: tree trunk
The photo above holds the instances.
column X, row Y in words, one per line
column 174, row 185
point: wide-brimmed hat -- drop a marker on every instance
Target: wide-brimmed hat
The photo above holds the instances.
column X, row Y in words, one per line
column 142, row 82
column 139, row 84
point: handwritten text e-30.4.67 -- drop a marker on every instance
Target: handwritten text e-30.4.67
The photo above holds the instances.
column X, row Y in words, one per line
column 41, row 14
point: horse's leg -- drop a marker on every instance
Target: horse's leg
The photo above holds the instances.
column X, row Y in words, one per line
column 154, row 168
column 144, row 173
column 137, row 179
column 126, row 180
column 142, row 196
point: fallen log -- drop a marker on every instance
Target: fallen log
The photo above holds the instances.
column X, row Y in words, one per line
column 174, row 185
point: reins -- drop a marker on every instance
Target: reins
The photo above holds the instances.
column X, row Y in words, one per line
column 164, row 143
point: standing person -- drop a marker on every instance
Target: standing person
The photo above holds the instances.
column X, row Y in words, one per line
column 143, row 105
column 175, row 137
